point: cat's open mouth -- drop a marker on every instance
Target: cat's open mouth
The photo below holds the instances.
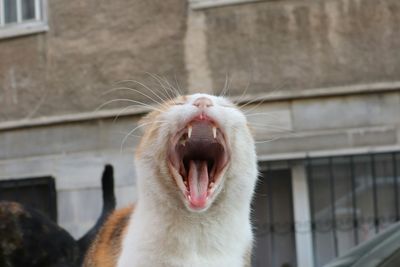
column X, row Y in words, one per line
column 198, row 156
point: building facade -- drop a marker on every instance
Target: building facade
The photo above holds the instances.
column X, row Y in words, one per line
column 318, row 79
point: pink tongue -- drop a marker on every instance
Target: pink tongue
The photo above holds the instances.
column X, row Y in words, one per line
column 198, row 183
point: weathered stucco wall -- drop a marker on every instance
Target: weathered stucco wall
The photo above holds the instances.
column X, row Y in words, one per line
column 275, row 45
column 90, row 45
column 295, row 45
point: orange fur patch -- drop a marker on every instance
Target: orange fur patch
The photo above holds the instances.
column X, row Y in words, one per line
column 152, row 124
column 106, row 248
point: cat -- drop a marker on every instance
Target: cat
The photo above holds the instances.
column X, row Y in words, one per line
column 197, row 168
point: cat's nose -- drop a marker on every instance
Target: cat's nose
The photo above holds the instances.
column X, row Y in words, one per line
column 202, row 102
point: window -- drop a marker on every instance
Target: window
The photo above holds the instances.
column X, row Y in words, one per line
column 352, row 199
column 20, row 17
column 38, row 193
column 199, row 4
column 317, row 209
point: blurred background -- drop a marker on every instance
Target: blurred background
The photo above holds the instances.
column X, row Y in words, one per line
column 318, row 79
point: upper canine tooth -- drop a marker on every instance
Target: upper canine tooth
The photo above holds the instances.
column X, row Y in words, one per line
column 189, row 131
column 214, row 129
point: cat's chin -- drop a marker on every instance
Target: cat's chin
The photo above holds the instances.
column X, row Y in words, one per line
column 198, row 156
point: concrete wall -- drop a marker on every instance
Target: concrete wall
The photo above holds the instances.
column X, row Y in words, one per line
column 284, row 46
column 341, row 123
column 90, row 45
column 296, row 45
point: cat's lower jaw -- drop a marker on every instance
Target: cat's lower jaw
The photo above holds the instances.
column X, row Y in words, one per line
column 173, row 240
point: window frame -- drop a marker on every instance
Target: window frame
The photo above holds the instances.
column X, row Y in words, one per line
column 20, row 28
column 47, row 182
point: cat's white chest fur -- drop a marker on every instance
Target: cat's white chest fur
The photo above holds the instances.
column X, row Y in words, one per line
column 181, row 243
column 151, row 243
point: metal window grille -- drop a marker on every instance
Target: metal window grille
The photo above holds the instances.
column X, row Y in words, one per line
column 38, row 193
column 352, row 198
column 273, row 218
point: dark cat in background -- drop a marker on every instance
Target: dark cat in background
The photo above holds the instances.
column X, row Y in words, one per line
column 30, row 239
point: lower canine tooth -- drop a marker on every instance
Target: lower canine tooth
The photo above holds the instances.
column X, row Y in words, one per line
column 214, row 129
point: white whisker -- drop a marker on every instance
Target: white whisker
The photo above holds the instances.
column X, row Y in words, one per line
column 245, row 90
column 147, row 88
column 226, row 85
column 260, row 124
column 173, row 89
column 267, row 141
column 133, row 90
column 262, row 101
column 270, row 113
column 263, row 115
column 161, row 83
column 134, row 129
column 272, row 127
column 123, row 110
column 178, row 86
column 128, row 100
column 130, row 133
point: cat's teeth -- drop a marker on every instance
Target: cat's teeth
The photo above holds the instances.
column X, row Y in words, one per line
column 211, row 185
column 214, row 129
column 189, row 131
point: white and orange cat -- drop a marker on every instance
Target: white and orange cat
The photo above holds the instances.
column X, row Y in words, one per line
column 196, row 168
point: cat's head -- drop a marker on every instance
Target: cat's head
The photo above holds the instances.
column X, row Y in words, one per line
column 197, row 150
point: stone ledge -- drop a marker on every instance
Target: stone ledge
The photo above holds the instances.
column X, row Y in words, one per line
column 256, row 98
column 328, row 153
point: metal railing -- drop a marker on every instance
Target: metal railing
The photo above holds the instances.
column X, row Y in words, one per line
column 352, row 198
